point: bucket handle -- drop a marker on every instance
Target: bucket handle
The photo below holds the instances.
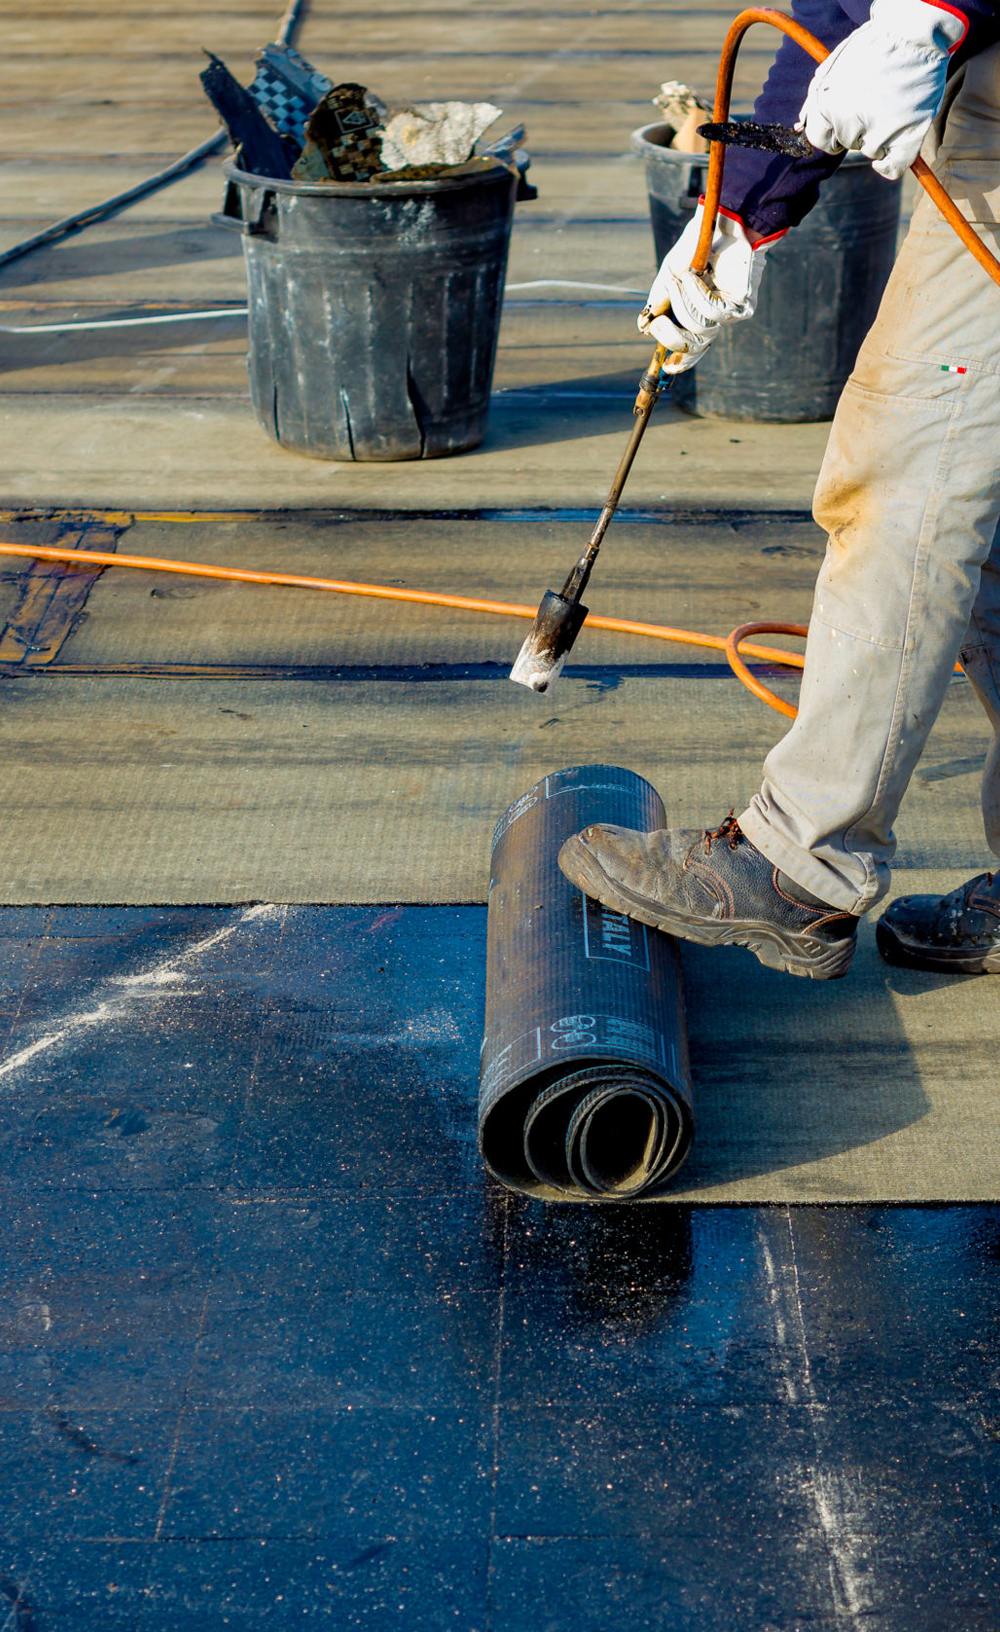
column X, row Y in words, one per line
column 695, row 188
column 249, row 211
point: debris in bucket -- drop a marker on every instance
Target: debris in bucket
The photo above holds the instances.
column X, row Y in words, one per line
column 287, row 89
column 684, row 111
column 343, row 140
column 294, row 123
column 261, row 149
column 435, row 133
column 506, row 147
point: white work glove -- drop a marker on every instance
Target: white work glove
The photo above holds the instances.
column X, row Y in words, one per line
column 878, row 92
column 702, row 303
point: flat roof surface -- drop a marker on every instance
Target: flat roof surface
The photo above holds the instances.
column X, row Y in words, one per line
column 273, row 1346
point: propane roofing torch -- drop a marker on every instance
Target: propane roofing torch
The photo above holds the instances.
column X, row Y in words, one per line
column 560, row 617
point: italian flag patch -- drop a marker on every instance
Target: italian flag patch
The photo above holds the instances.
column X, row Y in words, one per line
column 953, row 368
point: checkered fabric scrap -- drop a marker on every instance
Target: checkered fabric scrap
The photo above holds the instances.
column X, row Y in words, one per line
column 346, row 129
column 287, row 89
column 356, row 156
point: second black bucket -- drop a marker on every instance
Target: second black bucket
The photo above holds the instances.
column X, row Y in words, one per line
column 818, row 297
column 374, row 310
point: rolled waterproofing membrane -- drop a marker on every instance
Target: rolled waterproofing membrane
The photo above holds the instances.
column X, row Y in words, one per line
column 585, row 1091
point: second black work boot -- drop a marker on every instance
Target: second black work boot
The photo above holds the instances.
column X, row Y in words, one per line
column 713, row 887
column 952, row 934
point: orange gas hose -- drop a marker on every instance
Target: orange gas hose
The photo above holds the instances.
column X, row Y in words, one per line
column 739, row 668
column 733, row 644
column 717, row 155
column 424, row 597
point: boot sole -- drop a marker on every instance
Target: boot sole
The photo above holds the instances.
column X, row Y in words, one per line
column 912, row 955
column 793, row 954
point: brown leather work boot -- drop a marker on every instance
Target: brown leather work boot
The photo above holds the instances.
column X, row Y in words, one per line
column 713, row 887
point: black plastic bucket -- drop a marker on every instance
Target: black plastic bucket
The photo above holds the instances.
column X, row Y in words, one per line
column 818, row 297
column 374, row 310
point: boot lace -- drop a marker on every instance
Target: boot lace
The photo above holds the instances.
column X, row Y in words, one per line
column 730, row 830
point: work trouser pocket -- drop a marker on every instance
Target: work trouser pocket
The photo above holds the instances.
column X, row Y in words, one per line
column 882, row 476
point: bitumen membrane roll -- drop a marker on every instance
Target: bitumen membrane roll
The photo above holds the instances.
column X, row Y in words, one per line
column 585, row 1091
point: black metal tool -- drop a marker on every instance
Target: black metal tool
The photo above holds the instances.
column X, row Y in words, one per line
column 560, row 617
column 766, row 138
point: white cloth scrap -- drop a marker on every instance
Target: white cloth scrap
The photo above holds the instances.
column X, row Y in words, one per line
column 434, row 132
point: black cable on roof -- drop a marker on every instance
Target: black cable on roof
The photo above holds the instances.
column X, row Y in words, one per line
column 287, row 33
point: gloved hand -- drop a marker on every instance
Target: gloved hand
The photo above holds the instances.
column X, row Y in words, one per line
column 701, row 304
column 879, row 90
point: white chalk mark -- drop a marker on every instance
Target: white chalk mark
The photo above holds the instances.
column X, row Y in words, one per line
column 19, row 1605
column 835, row 1506
column 780, row 1323
column 173, row 969
column 35, row 1314
column 77, row 1022
column 166, row 979
column 424, row 1031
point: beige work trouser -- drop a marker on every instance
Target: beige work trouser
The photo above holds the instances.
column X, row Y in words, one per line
column 909, row 493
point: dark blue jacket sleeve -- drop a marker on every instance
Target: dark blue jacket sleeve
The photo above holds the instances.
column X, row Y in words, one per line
column 771, row 193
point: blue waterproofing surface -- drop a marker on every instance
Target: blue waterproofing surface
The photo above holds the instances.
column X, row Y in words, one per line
column 274, row 1349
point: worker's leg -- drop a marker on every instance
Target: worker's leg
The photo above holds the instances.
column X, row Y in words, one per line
column 980, row 658
column 959, row 933
column 910, row 495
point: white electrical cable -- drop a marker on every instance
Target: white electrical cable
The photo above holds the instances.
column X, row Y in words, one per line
column 287, row 31
column 564, row 283
column 120, row 322
column 241, row 311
